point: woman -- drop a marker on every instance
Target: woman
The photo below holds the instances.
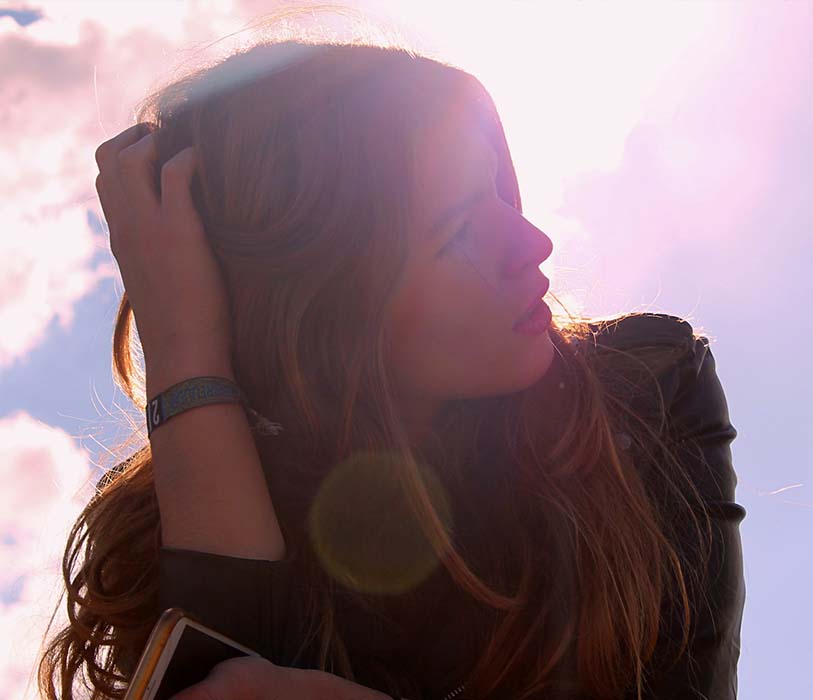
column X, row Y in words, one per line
column 453, row 508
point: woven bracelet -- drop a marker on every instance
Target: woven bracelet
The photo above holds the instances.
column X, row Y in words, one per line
column 197, row 391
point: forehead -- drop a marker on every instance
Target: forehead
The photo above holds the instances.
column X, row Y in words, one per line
column 452, row 159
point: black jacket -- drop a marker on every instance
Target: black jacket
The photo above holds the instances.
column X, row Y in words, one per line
column 256, row 602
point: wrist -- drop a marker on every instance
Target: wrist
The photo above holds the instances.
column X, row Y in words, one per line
column 168, row 369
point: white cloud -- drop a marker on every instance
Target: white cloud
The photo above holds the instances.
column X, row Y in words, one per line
column 70, row 82
column 48, row 481
column 628, row 145
column 45, row 271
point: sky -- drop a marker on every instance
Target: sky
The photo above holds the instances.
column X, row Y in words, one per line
column 665, row 148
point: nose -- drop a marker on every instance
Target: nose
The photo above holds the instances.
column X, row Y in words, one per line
column 531, row 246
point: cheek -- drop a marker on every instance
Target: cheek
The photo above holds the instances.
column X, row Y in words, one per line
column 424, row 332
column 406, row 319
column 443, row 331
column 418, row 313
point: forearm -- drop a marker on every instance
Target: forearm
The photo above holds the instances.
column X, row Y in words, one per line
column 212, row 493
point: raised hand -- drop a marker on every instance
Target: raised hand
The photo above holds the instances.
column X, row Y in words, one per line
column 171, row 277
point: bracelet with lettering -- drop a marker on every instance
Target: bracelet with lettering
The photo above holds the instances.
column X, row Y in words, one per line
column 190, row 393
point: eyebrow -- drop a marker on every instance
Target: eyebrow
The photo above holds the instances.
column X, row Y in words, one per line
column 461, row 206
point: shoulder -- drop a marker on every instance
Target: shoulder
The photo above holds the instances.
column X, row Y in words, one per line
column 640, row 347
column 641, row 329
column 684, row 370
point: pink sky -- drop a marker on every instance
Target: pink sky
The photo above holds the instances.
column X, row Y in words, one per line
column 664, row 147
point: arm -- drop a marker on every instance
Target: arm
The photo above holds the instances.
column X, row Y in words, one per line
column 209, row 481
column 222, row 553
column 207, row 471
column 222, row 544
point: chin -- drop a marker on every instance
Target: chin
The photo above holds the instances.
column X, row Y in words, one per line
column 539, row 360
column 524, row 373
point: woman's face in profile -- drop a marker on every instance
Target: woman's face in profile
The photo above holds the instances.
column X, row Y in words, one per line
column 472, row 271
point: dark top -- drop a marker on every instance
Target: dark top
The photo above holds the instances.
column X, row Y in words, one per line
column 255, row 601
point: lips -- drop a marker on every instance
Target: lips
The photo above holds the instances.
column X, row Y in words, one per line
column 536, row 301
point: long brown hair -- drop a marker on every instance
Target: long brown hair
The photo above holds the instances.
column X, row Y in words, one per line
column 305, row 164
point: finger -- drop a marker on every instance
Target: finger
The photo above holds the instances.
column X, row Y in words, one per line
column 100, row 189
column 137, row 174
column 210, row 688
column 102, row 197
column 202, row 690
column 114, row 201
column 176, row 186
column 105, row 203
column 108, row 151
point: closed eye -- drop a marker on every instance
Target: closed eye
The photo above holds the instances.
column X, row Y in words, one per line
column 459, row 236
column 468, row 204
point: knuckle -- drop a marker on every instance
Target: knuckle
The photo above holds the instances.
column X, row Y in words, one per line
column 121, row 142
column 171, row 172
column 171, row 168
column 128, row 157
column 101, row 153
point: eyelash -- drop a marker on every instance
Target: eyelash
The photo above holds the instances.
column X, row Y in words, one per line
column 459, row 235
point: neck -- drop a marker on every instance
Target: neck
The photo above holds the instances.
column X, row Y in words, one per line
column 419, row 416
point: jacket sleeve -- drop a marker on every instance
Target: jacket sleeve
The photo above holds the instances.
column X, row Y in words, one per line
column 253, row 601
column 700, row 425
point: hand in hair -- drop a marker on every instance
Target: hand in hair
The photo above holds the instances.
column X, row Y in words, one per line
column 171, row 277
column 256, row 678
